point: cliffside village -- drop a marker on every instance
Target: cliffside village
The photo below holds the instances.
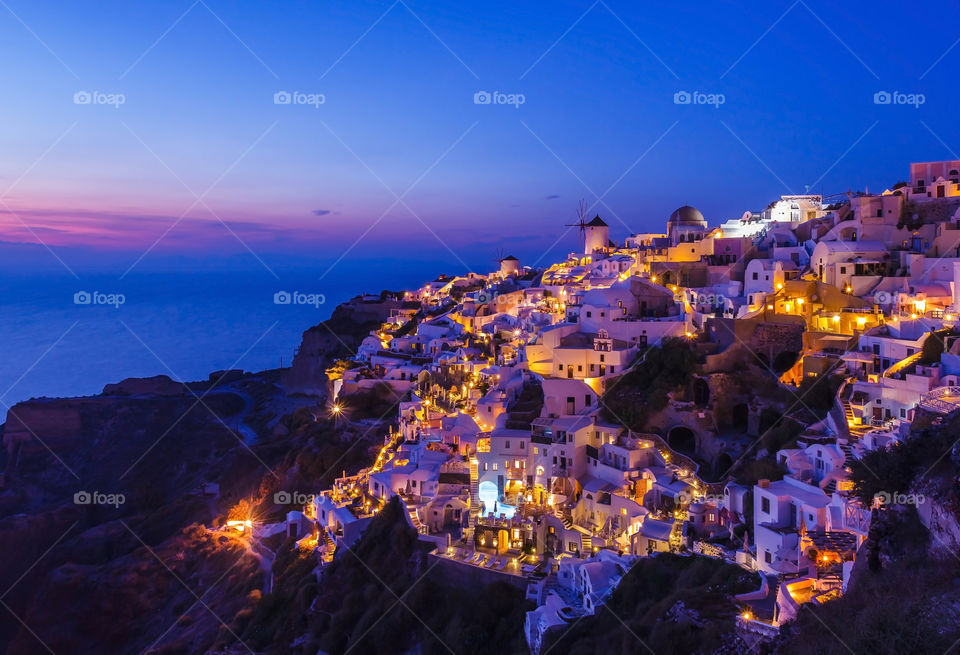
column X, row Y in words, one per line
column 506, row 460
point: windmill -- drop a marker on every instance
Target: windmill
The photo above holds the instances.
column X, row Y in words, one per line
column 581, row 220
column 498, row 258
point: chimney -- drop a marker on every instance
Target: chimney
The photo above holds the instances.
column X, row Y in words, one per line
column 763, row 484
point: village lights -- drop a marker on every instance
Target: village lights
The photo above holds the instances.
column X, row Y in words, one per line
column 336, row 409
column 836, row 318
column 747, row 616
column 779, row 286
column 861, row 320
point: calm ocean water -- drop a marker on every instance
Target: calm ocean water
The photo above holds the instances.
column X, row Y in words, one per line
column 184, row 325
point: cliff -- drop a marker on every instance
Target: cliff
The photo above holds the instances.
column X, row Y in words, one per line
column 337, row 337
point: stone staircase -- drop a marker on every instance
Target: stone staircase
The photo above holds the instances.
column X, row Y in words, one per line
column 847, row 449
column 856, row 431
column 474, row 492
column 415, row 519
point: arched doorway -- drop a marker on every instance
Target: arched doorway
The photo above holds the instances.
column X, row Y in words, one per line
column 741, row 414
column 683, row 440
column 701, row 392
column 722, row 466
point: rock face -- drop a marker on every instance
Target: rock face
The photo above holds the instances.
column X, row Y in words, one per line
column 86, row 483
column 338, row 337
column 158, row 385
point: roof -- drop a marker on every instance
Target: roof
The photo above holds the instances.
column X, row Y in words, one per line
column 687, row 215
column 594, row 485
column 596, row 222
column 838, row 542
column 656, row 529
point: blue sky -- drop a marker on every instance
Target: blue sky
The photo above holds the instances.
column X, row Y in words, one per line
column 100, row 185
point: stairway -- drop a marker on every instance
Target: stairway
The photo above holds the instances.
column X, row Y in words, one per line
column 564, row 515
column 587, row 543
column 847, row 449
column 474, row 492
column 415, row 519
column 856, row 431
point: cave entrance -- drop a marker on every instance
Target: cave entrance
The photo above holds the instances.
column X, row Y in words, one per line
column 682, row 440
column 701, row 392
column 741, row 414
column 784, row 361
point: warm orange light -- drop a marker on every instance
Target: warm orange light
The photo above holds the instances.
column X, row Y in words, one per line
column 836, row 318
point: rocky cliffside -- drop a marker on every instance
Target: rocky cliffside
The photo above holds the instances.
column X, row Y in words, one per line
column 338, row 337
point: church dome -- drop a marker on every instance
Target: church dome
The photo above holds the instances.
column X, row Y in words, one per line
column 688, row 215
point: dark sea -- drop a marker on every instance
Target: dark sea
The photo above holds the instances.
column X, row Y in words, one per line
column 60, row 336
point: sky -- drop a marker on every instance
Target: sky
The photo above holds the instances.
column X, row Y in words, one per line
column 186, row 156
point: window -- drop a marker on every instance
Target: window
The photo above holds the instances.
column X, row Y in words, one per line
column 579, row 368
column 766, row 557
column 843, row 270
column 494, row 466
column 613, row 369
column 602, row 358
column 756, row 276
column 536, row 451
column 506, row 444
column 586, row 400
column 593, row 367
column 521, row 445
column 764, row 503
column 589, row 314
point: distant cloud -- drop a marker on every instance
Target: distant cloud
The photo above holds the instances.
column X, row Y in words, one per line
column 321, row 212
column 552, row 196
